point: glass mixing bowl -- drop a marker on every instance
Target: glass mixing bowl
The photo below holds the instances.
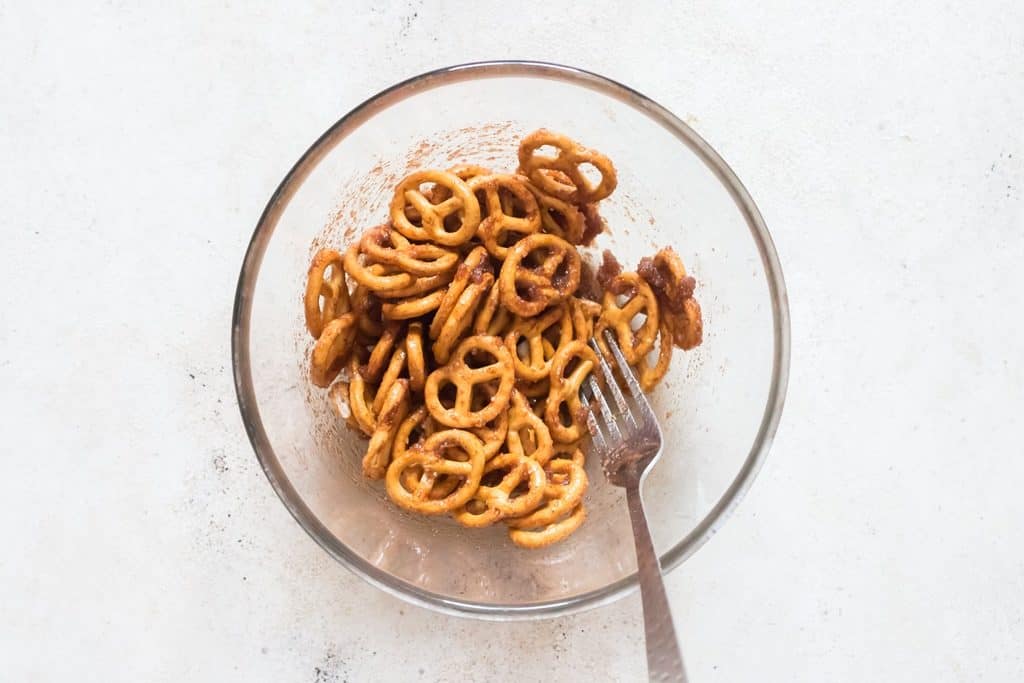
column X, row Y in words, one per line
column 719, row 405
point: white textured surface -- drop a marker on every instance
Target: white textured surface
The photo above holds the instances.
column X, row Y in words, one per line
column 883, row 144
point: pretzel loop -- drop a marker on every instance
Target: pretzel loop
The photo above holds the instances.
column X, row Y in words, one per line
column 509, row 209
column 539, row 271
column 327, row 297
column 465, row 378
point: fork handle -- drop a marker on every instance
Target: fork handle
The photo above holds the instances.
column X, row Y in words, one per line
column 664, row 661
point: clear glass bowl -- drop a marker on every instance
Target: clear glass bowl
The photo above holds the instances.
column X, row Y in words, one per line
column 719, row 405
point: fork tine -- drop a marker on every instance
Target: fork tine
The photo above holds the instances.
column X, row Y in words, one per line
column 630, row 376
column 606, row 412
column 613, row 386
column 595, row 434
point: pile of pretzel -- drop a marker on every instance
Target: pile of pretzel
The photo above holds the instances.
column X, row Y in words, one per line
column 462, row 335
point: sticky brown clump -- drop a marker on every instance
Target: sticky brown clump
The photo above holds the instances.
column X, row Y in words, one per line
column 609, row 270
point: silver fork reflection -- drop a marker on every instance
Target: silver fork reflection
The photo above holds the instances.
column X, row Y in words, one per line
column 628, row 439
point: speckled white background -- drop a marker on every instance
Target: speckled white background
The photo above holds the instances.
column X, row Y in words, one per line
column 883, row 143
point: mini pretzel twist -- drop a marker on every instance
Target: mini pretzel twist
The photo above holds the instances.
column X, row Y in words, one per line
column 569, row 158
column 455, row 314
column 465, row 378
column 436, row 458
column 565, row 484
column 558, row 217
column 527, row 436
column 541, row 338
column 393, row 410
column 461, row 207
column 327, row 297
column 539, row 271
column 492, row 503
column 569, row 368
column 509, row 209
column 387, row 246
column 640, row 300
column 412, row 432
column 332, row 350
column 377, row 278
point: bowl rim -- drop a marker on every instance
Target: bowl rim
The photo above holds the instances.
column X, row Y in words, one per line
column 241, row 318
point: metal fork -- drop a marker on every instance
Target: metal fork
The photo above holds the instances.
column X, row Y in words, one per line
column 629, row 444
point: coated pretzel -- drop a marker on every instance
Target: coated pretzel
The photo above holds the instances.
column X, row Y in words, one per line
column 508, row 208
column 325, row 298
column 387, row 246
column 433, row 460
column 566, row 381
column 558, row 217
column 565, row 484
column 379, row 279
column 505, row 498
column 412, row 432
column 332, row 349
column 465, row 378
column 460, row 317
column 393, row 410
column 541, row 338
column 539, row 271
column 461, row 207
column 573, row 186
column 640, row 300
column 455, row 314
column 527, row 435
